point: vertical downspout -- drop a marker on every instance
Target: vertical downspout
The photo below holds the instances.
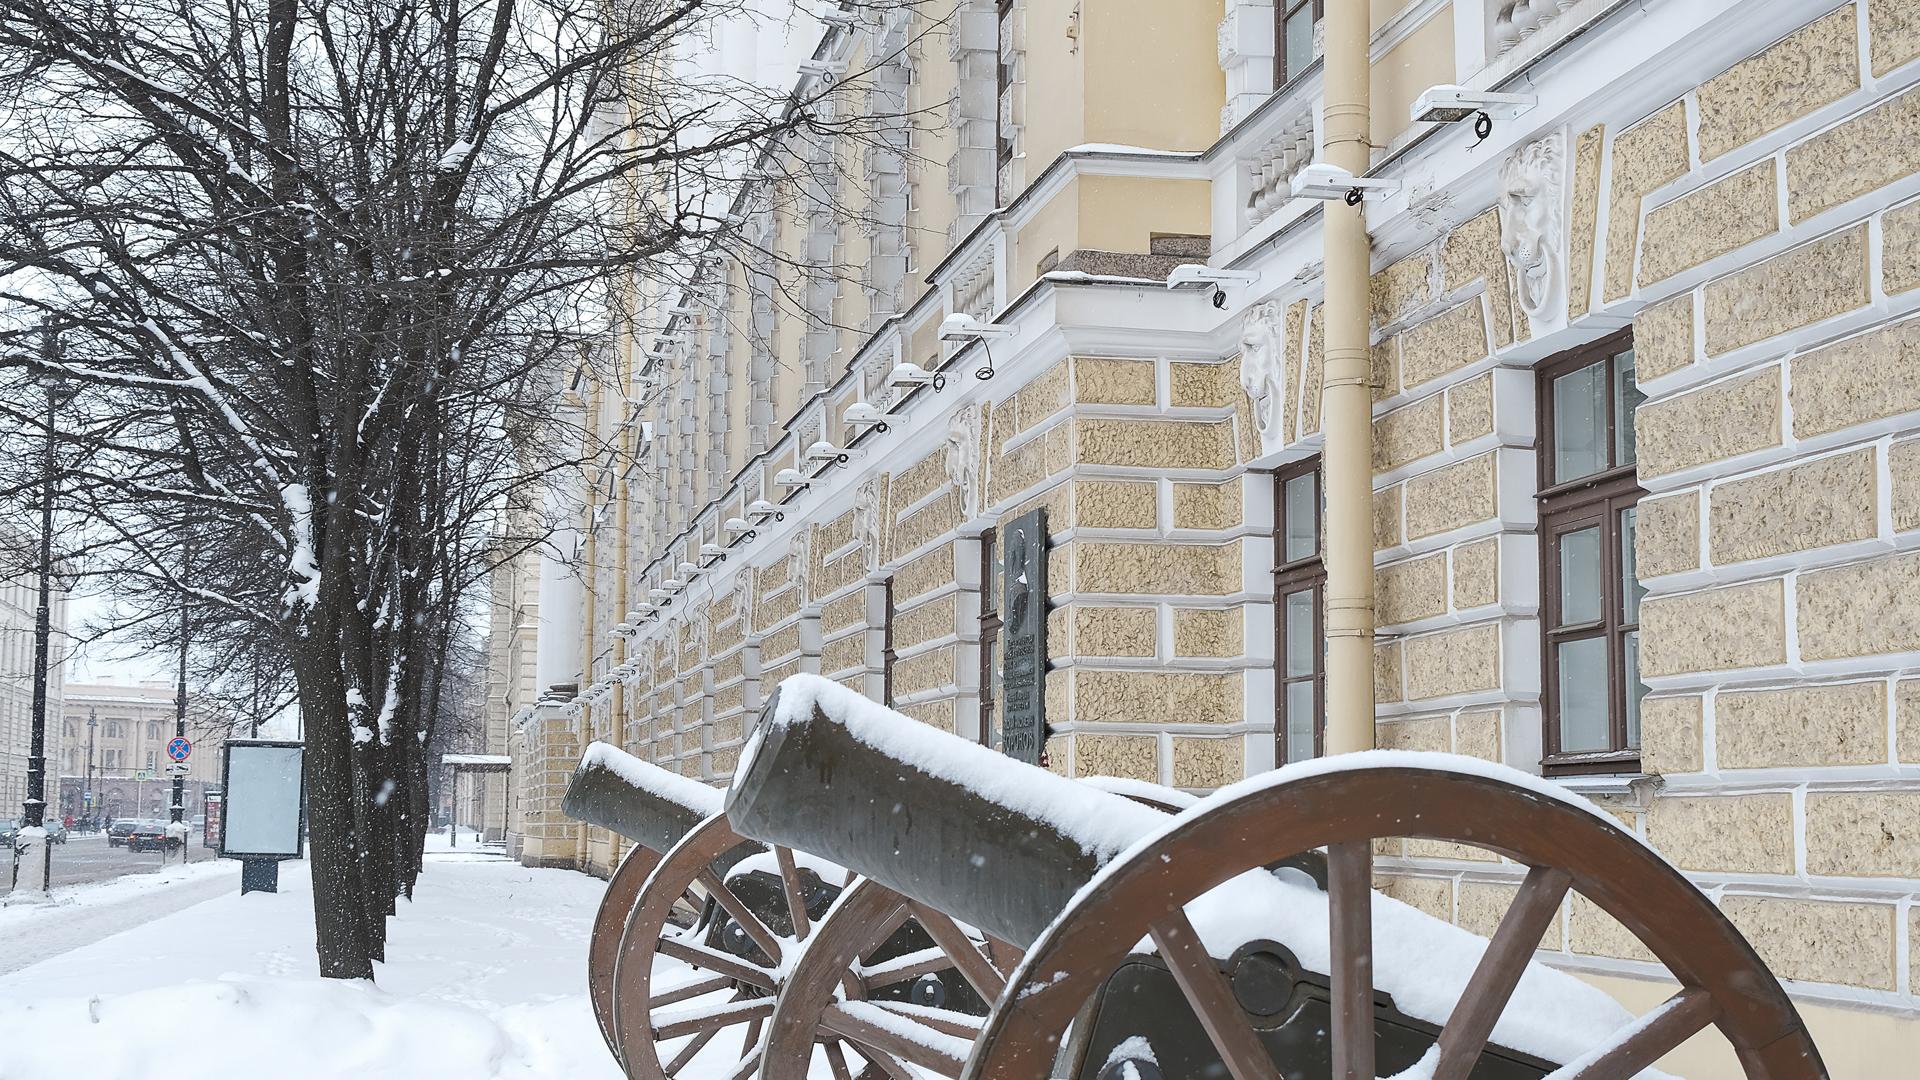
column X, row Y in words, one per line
column 589, row 570
column 1347, row 402
column 622, row 602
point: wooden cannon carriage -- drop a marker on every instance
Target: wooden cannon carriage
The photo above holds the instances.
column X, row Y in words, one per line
column 1118, row 941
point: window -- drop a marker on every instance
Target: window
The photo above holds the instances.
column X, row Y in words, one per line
column 1299, row 600
column 150, row 761
column 113, row 729
column 1294, row 23
column 991, row 571
column 1591, row 616
column 1004, row 79
column 153, row 729
column 886, row 645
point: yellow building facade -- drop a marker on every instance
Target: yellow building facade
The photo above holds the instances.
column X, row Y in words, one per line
column 1645, row 441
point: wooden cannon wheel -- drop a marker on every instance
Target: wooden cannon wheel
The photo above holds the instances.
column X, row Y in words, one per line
column 827, row 999
column 1563, row 846
column 610, row 926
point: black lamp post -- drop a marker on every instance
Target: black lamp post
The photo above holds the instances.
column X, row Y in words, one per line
column 33, row 813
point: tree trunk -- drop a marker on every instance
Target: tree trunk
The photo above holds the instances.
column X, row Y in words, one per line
column 339, row 903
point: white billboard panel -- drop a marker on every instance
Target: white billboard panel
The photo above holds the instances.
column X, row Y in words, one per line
column 264, row 800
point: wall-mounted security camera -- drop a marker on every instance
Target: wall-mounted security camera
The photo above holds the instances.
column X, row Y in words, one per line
column 1326, row 181
column 1202, row 276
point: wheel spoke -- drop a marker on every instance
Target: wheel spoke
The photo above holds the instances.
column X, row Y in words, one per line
column 697, row 988
column 1535, row 906
column 742, row 914
column 973, row 964
column 694, row 1046
column 1650, row 1038
column 870, row 1027
column 945, row 1021
column 905, row 968
column 795, row 890
column 714, row 960
column 752, row 1042
column 692, row 1021
column 882, row 1061
column 836, row 1060
column 1212, row 999
column 1350, row 902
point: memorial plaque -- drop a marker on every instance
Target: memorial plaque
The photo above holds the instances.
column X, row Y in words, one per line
column 1023, row 638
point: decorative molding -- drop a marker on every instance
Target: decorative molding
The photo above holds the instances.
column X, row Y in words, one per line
column 1263, row 371
column 1533, row 230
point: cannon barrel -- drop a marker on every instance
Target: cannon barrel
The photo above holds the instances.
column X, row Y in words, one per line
column 644, row 803
column 988, row 840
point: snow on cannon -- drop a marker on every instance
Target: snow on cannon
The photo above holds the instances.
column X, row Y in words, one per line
column 725, row 915
column 1120, row 943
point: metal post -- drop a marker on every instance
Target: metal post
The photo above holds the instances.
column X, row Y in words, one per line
column 33, row 814
column 90, row 793
column 180, row 732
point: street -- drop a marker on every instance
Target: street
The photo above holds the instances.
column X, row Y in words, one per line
column 88, row 858
column 84, row 859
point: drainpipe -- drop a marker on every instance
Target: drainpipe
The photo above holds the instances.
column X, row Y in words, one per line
column 1347, row 402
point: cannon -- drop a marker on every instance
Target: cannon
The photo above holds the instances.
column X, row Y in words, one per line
column 692, row 891
column 1119, row 942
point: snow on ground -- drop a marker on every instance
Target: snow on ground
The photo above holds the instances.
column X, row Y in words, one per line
column 485, row 978
column 31, row 930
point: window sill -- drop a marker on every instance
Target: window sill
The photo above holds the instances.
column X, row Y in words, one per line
column 1635, row 786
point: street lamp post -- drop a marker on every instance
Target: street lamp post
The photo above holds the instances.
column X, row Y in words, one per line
column 37, row 864
column 180, row 732
column 89, row 795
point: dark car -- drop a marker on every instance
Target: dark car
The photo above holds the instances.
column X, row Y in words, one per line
column 118, row 831
column 148, row 836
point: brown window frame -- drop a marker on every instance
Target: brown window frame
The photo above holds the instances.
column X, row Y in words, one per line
column 1595, row 500
column 1289, row 577
column 887, row 655
column 990, row 623
column 1281, row 13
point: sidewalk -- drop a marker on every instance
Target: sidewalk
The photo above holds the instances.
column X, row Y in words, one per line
column 485, row 978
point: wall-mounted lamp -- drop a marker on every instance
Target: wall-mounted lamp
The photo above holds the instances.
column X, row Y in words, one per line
column 686, row 571
column 961, row 326
column 711, row 553
column 741, row 529
column 760, row 510
column 910, row 375
column 1328, row 182
column 863, row 415
column 1447, row 104
column 791, row 478
column 825, row 453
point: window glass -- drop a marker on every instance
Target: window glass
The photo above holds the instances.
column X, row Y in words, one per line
column 1302, row 512
column 1580, row 423
column 1300, row 720
column 1635, row 688
column 1580, row 576
column 1300, row 641
column 1299, row 40
column 1584, row 723
column 1626, row 398
column 1630, row 588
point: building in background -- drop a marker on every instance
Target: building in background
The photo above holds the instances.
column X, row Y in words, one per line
column 1645, row 361
column 19, row 597
column 131, row 724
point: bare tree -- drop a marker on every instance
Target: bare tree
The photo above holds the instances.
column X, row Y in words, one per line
column 319, row 268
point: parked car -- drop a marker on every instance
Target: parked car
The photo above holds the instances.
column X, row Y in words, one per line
column 10, row 832
column 148, row 836
column 118, row 831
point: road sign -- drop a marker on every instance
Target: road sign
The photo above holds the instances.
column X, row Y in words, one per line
column 179, row 749
column 178, row 768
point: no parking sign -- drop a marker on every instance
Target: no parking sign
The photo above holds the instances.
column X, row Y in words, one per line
column 180, row 749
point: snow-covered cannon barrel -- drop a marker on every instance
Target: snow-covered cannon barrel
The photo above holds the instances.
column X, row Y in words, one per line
column 645, row 803
column 929, row 815
column 1189, row 945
